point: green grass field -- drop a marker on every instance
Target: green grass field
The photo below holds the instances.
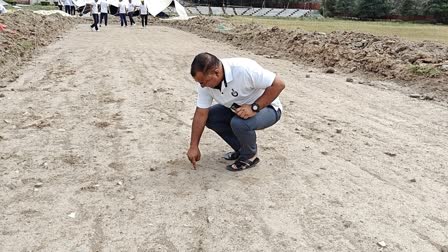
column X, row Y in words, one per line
column 405, row 30
column 34, row 7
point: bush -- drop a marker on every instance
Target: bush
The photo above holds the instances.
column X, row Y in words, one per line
column 44, row 3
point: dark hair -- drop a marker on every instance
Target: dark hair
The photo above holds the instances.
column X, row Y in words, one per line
column 204, row 62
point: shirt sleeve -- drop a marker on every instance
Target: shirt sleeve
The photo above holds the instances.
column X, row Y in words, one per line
column 204, row 98
column 261, row 77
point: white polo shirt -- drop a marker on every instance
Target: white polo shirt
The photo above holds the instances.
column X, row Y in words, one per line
column 246, row 82
column 103, row 6
column 131, row 7
column 122, row 8
column 95, row 8
column 144, row 9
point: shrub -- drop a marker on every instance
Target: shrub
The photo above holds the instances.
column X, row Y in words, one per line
column 428, row 71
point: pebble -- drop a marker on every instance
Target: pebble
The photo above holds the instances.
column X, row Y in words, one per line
column 390, row 154
column 38, row 185
column 413, row 180
column 330, row 70
column 72, row 215
column 415, row 96
column 349, row 79
column 339, row 131
column 382, row 244
column 307, row 76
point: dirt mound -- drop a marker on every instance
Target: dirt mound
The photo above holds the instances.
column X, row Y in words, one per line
column 423, row 66
column 25, row 32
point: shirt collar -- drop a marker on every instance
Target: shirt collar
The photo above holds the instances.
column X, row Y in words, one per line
column 227, row 72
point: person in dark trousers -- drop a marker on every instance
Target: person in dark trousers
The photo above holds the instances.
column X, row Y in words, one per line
column 67, row 4
column 103, row 12
column 247, row 100
column 131, row 8
column 122, row 13
column 72, row 8
column 94, row 11
column 144, row 14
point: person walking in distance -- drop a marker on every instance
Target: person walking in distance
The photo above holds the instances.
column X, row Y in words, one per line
column 122, row 13
column 104, row 6
column 247, row 100
column 67, row 5
column 131, row 8
column 94, row 12
column 72, row 8
column 144, row 14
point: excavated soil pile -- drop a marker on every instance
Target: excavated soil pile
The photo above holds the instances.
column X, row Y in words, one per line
column 25, row 32
column 420, row 65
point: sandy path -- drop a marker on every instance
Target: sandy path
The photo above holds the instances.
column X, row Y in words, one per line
column 98, row 125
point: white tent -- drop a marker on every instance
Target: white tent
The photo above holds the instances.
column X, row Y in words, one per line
column 157, row 6
column 3, row 3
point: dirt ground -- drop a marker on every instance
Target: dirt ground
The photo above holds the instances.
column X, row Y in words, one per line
column 94, row 131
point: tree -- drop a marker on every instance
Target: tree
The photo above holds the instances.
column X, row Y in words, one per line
column 372, row 9
column 345, row 8
column 408, row 8
column 329, row 8
column 439, row 9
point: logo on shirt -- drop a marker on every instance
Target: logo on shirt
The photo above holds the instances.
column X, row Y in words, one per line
column 234, row 93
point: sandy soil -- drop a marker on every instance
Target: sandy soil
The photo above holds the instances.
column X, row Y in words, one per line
column 94, row 132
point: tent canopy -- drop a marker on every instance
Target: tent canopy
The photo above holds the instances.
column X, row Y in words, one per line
column 3, row 3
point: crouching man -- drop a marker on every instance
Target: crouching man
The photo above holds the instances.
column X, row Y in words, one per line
column 247, row 100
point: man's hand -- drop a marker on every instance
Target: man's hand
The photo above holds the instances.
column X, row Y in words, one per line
column 194, row 155
column 245, row 111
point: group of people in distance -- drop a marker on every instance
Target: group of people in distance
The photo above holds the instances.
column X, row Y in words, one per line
column 100, row 10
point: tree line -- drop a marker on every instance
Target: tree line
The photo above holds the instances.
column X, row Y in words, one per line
column 378, row 9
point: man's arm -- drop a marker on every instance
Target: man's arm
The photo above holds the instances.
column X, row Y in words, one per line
column 199, row 120
column 269, row 95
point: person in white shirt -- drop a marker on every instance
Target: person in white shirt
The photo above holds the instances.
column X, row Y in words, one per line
column 60, row 4
column 2, row 9
column 144, row 14
column 72, row 8
column 131, row 8
column 247, row 97
column 122, row 13
column 67, row 4
column 94, row 11
column 103, row 9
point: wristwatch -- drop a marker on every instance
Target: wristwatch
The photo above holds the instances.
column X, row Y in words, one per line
column 255, row 107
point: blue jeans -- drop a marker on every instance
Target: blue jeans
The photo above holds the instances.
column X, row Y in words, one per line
column 123, row 19
column 240, row 133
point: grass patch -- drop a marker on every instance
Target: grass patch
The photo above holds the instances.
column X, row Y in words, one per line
column 427, row 71
column 36, row 7
column 405, row 30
